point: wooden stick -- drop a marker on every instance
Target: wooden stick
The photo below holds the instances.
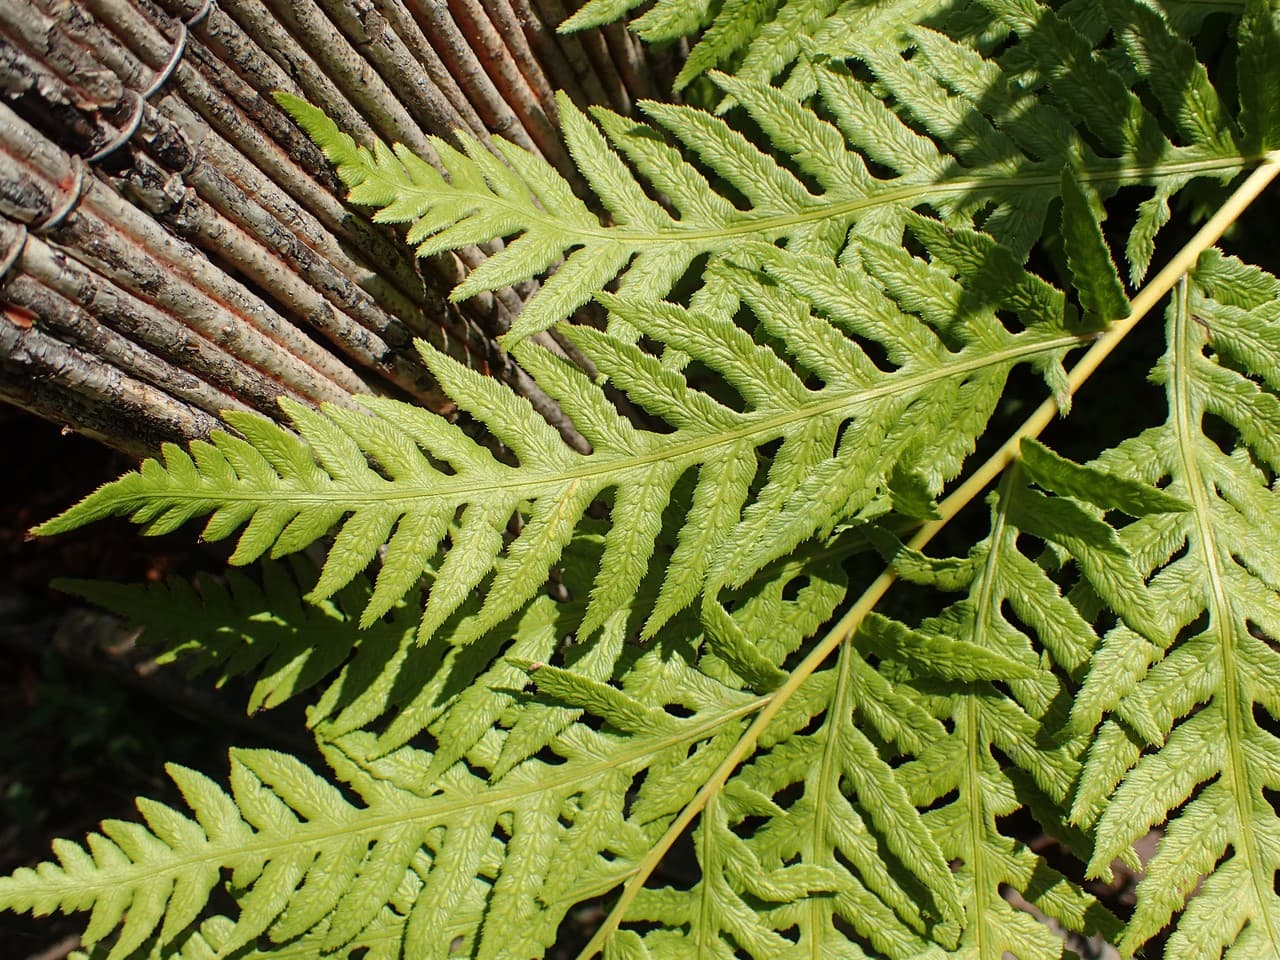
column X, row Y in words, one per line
column 367, row 31
column 169, row 144
column 64, row 319
column 121, row 243
column 564, row 50
column 599, row 62
column 48, row 377
column 502, row 68
column 225, row 242
column 400, row 20
column 625, row 50
column 544, row 48
column 146, row 324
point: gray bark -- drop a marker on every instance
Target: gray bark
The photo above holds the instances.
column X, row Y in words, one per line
column 172, row 246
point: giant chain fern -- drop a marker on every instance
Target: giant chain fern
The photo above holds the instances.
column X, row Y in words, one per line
column 532, row 670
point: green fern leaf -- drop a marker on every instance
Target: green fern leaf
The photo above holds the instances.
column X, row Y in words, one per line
column 288, row 490
column 753, row 887
column 304, row 858
column 1011, row 748
column 815, row 301
column 1197, row 701
column 247, row 624
column 1259, row 45
column 932, row 706
column 985, row 158
column 402, row 867
column 1092, row 269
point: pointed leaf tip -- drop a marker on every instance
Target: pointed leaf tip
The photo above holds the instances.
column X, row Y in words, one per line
column 1102, row 488
column 117, row 498
column 1088, row 257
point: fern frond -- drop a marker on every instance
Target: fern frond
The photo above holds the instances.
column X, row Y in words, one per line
column 407, row 479
column 816, row 300
column 1188, row 739
column 240, row 624
column 896, row 765
column 982, row 142
column 524, row 810
column 306, row 860
column 997, row 741
column 867, row 853
column 1005, row 746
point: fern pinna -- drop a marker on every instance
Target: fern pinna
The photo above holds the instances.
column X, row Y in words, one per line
column 531, row 669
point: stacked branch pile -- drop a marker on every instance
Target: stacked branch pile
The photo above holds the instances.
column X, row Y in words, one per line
column 172, row 246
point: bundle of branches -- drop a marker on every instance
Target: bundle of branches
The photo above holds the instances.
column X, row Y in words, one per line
column 172, row 246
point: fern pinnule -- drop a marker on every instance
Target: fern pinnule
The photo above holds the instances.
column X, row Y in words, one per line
column 251, row 624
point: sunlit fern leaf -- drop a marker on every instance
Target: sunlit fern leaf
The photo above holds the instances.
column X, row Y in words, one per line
column 931, row 707
column 240, row 624
column 979, row 141
column 560, row 878
column 992, row 113
column 871, row 859
column 306, row 861
column 430, row 855
column 1201, row 702
column 785, row 48
column 1168, row 64
column 734, row 25
column 815, row 304
column 740, row 34
column 838, row 443
column 809, row 496
column 459, row 692
column 739, row 906
column 985, row 114
column 752, row 885
column 380, row 940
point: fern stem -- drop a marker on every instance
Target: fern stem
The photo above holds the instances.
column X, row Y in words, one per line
column 1140, row 306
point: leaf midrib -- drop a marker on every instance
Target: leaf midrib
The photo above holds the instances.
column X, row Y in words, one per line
column 1221, row 615
column 820, row 849
column 365, row 822
column 971, row 788
column 757, row 427
column 1120, row 173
